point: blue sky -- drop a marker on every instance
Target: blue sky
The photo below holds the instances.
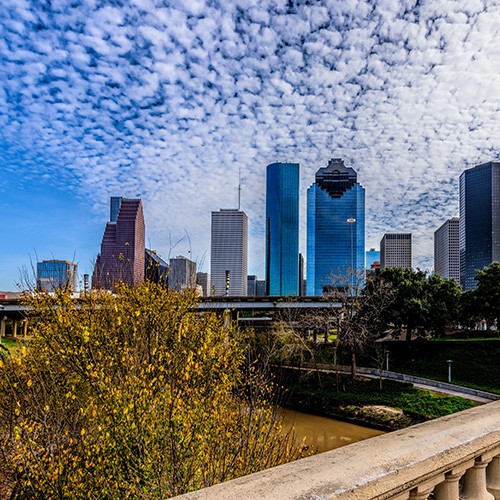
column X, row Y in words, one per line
column 167, row 99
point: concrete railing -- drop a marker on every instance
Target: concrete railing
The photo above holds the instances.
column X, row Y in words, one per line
column 450, row 458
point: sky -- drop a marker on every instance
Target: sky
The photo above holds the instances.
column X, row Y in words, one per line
column 167, row 100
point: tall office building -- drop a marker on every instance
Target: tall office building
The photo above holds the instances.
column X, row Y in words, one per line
column 155, row 268
column 335, row 228
column 229, row 252
column 251, row 285
column 203, row 279
column 182, row 274
column 282, row 229
column 372, row 256
column 56, row 274
column 395, row 251
column 479, row 220
column 122, row 256
column 447, row 250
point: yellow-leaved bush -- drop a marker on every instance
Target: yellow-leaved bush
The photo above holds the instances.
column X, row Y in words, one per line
column 133, row 395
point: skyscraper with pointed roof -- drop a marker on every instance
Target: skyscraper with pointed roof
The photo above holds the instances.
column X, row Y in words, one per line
column 122, row 253
column 335, row 227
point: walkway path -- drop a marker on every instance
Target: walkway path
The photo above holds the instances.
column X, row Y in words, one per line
column 424, row 383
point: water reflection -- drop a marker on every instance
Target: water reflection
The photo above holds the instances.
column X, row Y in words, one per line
column 324, row 433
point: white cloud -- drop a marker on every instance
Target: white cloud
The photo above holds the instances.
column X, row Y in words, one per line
column 170, row 101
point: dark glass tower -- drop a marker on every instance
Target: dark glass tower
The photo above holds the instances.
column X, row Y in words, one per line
column 282, row 229
column 479, row 220
column 335, row 227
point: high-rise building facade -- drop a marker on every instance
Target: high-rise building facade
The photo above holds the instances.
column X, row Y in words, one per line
column 282, row 229
column 372, row 256
column 56, row 274
column 395, row 251
column 335, row 228
column 203, row 279
column 479, row 220
column 229, row 252
column 447, row 250
column 182, row 274
column 122, row 256
column 155, row 268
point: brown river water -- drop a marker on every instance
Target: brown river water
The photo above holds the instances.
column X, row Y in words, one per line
column 324, row 433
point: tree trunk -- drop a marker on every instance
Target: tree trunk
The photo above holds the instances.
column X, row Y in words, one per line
column 353, row 364
column 408, row 333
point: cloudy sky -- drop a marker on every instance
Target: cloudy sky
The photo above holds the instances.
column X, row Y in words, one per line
column 166, row 100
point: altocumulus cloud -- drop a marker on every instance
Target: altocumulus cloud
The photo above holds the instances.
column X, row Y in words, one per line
column 168, row 100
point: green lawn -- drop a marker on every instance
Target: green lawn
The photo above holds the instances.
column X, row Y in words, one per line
column 417, row 405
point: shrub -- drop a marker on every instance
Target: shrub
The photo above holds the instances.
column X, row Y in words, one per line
column 134, row 395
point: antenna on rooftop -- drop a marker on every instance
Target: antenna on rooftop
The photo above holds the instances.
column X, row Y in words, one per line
column 239, row 187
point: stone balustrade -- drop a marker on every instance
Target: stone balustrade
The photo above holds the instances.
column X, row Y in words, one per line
column 450, row 458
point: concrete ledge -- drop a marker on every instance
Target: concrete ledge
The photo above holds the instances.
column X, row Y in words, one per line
column 381, row 467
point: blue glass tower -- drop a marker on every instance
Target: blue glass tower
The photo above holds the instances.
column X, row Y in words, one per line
column 335, row 228
column 282, row 229
column 479, row 225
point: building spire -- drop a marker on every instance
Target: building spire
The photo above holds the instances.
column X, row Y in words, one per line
column 239, row 187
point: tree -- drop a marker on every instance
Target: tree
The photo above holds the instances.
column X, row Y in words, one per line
column 487, row 292
column 360, row 317
column 134, row 395
column 410, row 307
column 443, row 297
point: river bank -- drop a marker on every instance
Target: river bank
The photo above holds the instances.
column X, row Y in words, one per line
column 386, row 406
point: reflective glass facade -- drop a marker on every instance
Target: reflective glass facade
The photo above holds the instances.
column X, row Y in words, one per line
column 334, row 245
column 54, row 274
column 282, row 229
column 479, row 221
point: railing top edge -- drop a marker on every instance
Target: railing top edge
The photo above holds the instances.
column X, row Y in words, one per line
column 371, row 468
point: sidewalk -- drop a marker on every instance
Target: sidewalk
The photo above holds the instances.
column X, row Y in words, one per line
column 423, row 383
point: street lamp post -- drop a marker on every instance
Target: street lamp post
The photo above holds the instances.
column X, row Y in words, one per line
column 351, row 221
column 449, row 361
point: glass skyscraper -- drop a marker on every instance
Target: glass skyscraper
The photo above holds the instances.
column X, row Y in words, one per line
column 335, row 228
column 282, row 229
column 55, row 274
column 479, row 226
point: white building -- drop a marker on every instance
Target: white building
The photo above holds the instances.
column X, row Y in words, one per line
column 229, row 252
column 395, row 251
column 447, row 249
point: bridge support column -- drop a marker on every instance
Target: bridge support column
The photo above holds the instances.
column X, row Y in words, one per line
column 25, row 327
column 2, row 327
column 14, row 328
column 475, row 482
column 493, row 477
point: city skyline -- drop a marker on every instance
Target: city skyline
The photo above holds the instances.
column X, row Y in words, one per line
column 166, row 104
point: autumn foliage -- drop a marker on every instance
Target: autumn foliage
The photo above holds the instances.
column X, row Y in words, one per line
column 131, row 396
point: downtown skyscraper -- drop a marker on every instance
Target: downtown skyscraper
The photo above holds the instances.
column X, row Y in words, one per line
column 479, row 232
column 396, row 250
column 282, row 229
column 335, row 228
column 229, row 252
column 447, row 249
column 122, row 256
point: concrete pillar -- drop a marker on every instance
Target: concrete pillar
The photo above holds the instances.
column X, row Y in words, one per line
column 475, row 482
column 493, row 477
column 25, row 327
column 448, row 489
column 2, row 327
column 14, row 328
